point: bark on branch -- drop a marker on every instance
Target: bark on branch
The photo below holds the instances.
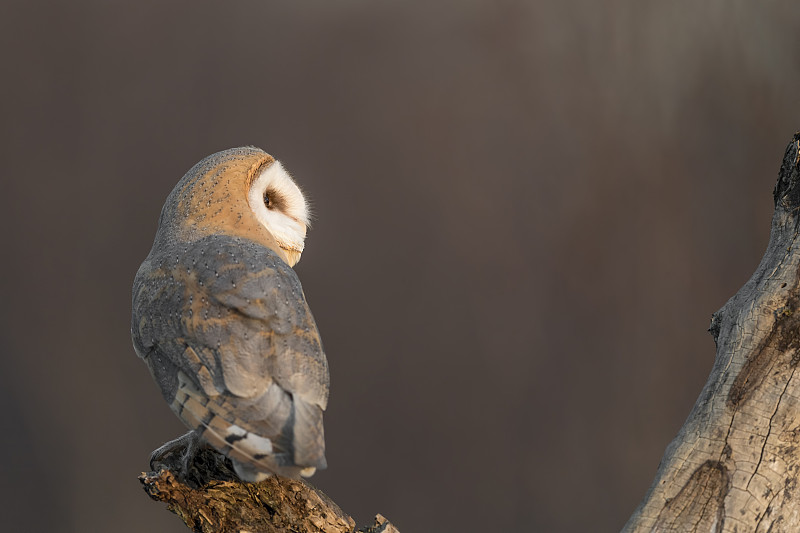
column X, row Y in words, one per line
column 210, row 498
column 735, row 462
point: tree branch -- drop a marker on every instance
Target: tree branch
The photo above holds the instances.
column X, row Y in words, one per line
column 210, row 498
column 735, row 462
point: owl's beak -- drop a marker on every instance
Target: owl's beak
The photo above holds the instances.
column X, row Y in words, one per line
column 292, row 241
column 292, row 255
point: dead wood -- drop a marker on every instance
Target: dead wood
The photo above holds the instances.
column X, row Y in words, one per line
column 734, row 464
column 209, row 498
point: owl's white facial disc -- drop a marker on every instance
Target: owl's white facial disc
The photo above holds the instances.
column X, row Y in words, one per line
column 279, row 205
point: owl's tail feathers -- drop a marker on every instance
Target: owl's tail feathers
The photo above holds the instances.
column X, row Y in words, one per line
column 254, row 457
column 308, row 436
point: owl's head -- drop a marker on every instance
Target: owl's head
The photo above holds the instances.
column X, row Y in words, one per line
column 280, row 206
column 241, row 192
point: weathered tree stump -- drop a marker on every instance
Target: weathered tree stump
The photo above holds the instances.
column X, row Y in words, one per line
column 735, row 462
column 210, row 498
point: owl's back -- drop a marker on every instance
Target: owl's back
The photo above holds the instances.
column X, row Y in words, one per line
column 224, row 328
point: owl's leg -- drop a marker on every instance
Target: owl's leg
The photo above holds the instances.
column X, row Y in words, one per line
column 185, row 447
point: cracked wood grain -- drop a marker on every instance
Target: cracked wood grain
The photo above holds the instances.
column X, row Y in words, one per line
column 734, row 464
column 208, row 496
column 701, row 501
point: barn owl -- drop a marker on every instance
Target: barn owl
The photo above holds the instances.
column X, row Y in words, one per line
column 221, row 320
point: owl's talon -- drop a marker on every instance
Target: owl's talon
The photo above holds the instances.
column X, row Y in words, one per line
column 186, row 446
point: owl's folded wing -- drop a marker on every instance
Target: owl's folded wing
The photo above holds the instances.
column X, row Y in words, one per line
column 242, row 340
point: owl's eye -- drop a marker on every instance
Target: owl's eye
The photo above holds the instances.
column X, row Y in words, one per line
column 274, row 200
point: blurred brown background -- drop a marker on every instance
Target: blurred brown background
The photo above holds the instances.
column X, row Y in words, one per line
column 526, row 214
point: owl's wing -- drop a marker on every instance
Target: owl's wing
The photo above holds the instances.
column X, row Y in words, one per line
column 225, row 329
